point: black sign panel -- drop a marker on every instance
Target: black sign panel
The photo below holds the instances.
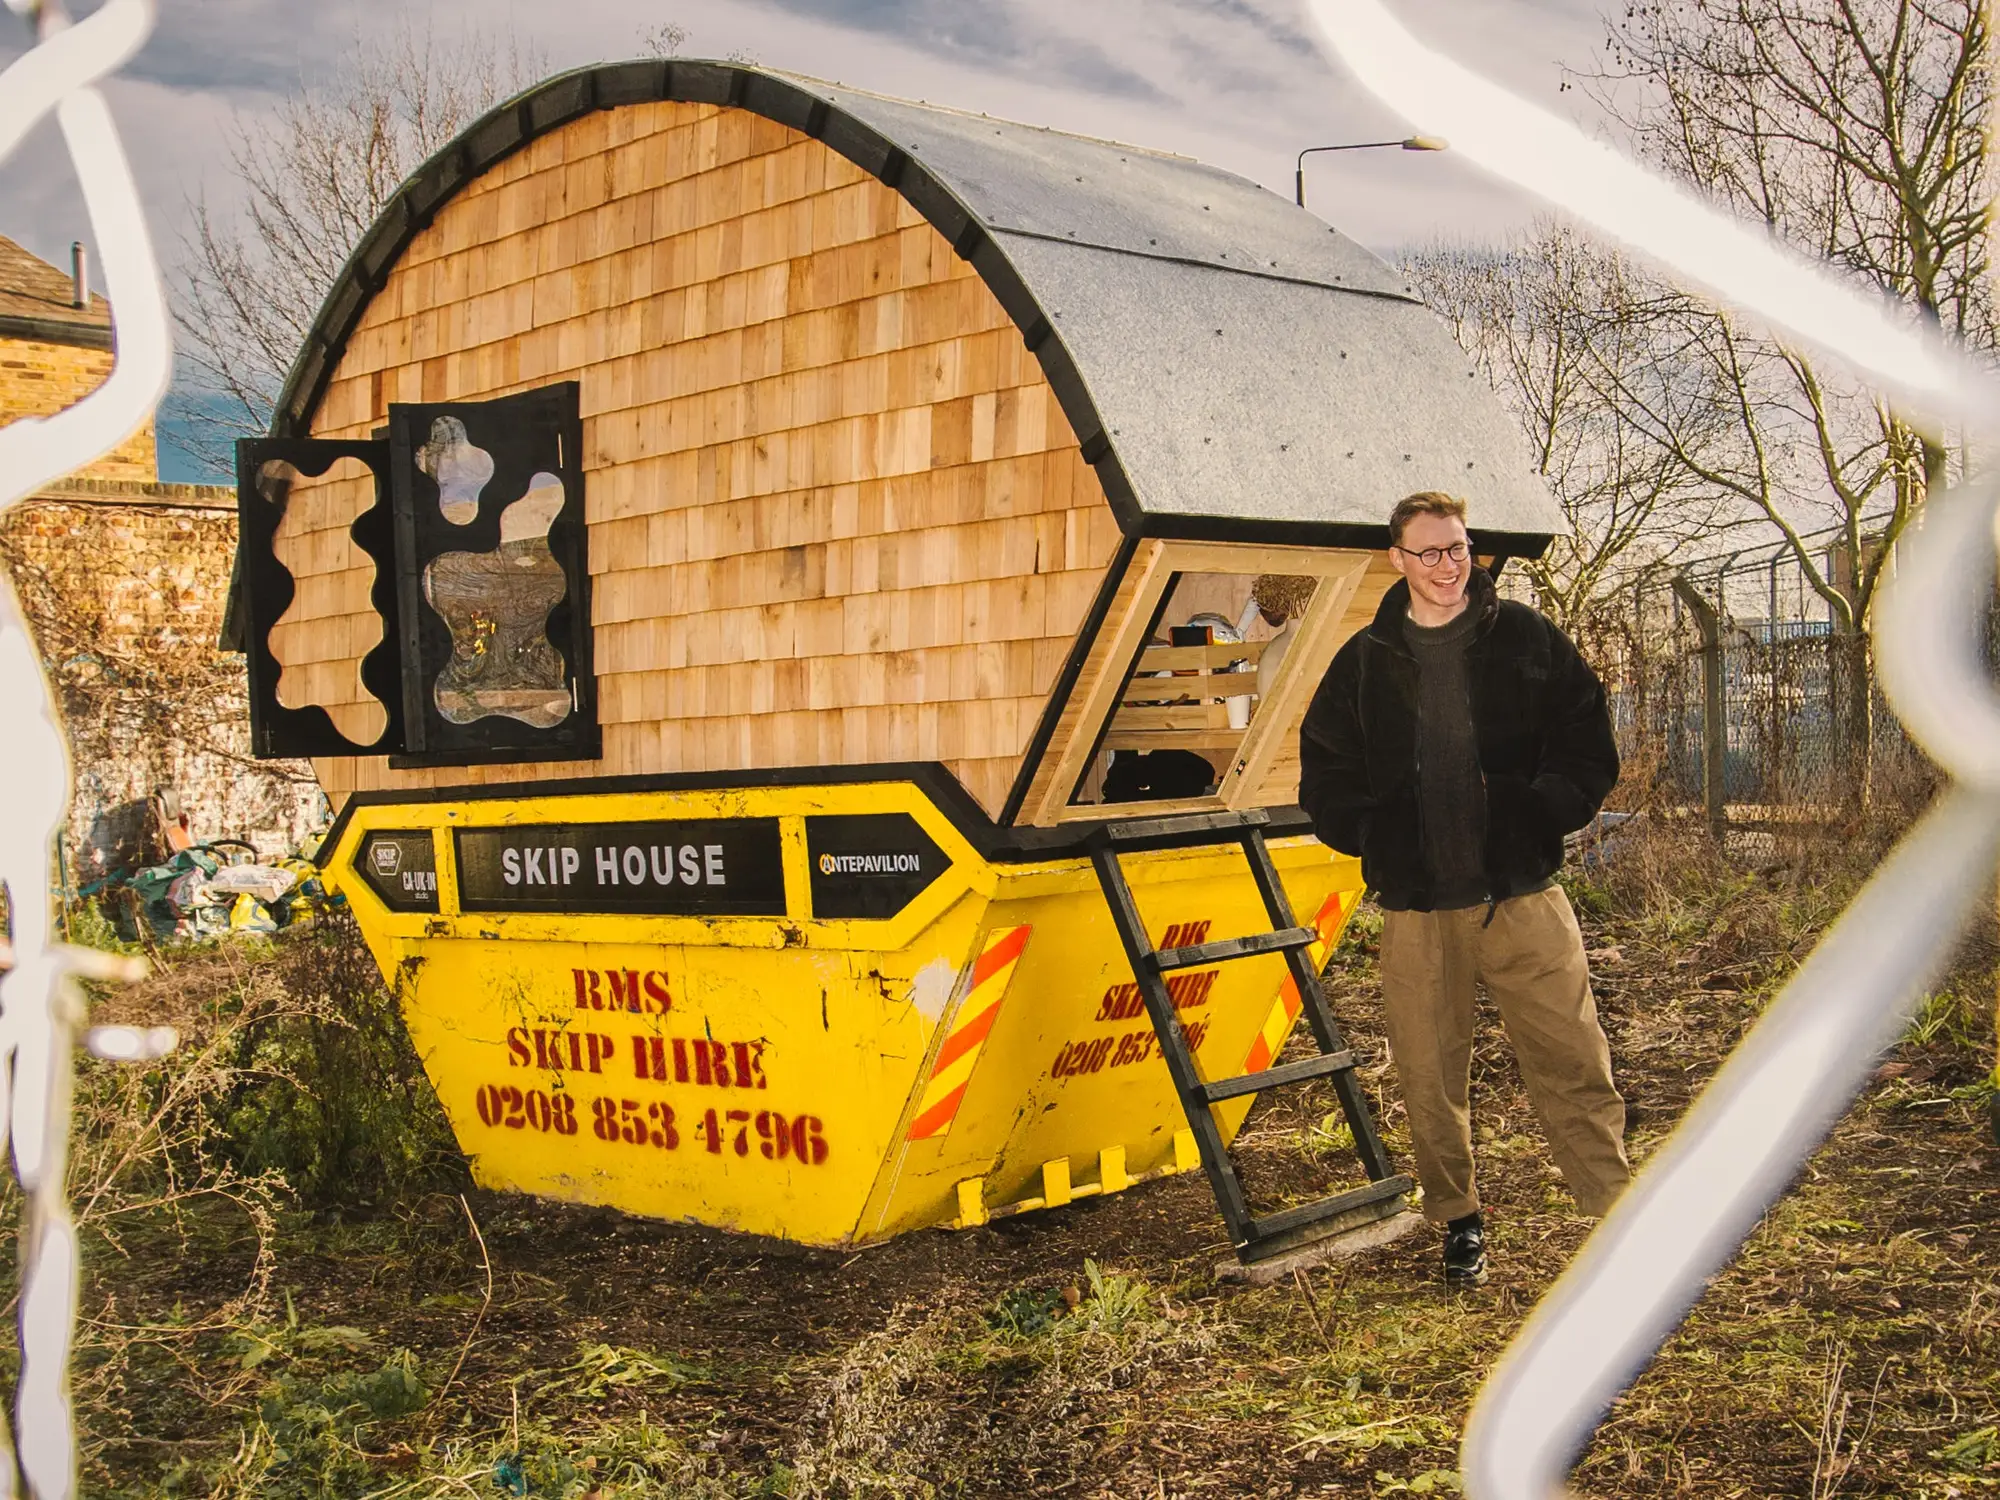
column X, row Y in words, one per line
column 701, row 867
column 400, row 866
column 870, row 864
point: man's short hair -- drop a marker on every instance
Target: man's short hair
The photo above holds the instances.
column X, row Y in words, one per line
column 1423, row 503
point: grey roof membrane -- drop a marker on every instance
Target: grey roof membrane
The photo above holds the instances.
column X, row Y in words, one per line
column 1248, row 362
column 1234, row 395
column 1034, row 181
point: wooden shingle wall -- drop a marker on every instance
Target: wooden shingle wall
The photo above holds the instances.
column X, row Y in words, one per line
column 836, row 515
column 330, row 625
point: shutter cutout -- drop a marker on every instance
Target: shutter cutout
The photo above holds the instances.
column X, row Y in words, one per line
column 308, row 694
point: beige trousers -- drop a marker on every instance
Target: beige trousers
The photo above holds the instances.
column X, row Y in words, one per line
column 1530, row 958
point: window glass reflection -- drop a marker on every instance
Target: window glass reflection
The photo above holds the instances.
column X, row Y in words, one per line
column 460, row 468
column 497, row 606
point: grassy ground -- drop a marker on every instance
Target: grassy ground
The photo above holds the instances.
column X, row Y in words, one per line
column 289, row 1293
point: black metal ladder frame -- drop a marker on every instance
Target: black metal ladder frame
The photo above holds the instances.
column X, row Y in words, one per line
column 1255, row 1237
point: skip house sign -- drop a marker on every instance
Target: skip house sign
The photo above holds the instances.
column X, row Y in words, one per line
column 709, row 867
column 868, row 867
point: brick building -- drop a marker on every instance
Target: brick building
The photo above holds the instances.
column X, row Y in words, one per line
column 123, row 579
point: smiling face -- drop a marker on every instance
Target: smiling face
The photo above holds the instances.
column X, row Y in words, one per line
column 1437, row 593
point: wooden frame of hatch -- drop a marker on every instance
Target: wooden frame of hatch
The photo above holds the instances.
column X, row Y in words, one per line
column 1114, row 656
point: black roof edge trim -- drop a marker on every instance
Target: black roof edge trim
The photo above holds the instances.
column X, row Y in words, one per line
column 945, row 791
column 1347, row 535
column 642, row 81
column 1117, row 487
column 557, row 101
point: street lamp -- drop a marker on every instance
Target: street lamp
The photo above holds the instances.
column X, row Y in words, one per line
column 1414, row 143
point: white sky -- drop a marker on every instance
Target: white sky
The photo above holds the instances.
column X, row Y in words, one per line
column 1237, row 83
column 1234, row 82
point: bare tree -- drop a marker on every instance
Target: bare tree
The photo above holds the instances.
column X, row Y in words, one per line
column 1855, row 129
column 662, row 39
column 1566, row 332
column 312, row 178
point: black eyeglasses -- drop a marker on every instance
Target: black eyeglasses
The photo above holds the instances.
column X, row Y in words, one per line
column 1430, row 557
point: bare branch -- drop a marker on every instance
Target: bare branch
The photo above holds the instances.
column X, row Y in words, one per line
column 312, row 178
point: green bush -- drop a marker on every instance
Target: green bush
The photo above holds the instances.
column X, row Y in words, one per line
column 327, row 1090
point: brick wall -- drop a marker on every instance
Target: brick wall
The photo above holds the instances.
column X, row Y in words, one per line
column 39, row 379
column 123, row 584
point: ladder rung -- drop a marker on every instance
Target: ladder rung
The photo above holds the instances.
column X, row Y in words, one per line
column 1323, row 1066
column 1190, row 831
column 1327, row 1208
column 1224, row 949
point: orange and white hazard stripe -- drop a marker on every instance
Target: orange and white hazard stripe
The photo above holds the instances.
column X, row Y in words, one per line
column 991, row 974
column 1270, row 1041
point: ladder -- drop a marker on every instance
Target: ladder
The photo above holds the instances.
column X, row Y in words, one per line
column 1255, row 1237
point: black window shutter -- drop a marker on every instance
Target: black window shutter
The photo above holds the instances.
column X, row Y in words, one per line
column 267, row 588
column 493, row 580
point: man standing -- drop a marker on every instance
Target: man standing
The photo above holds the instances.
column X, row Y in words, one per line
column 1452, row 744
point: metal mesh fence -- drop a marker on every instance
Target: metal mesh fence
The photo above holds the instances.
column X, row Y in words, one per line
column 1785, row 705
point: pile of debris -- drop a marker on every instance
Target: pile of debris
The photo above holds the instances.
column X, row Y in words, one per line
column 207, row 889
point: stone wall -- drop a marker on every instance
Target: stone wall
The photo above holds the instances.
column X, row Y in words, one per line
column 39, row 379
column 124, row 584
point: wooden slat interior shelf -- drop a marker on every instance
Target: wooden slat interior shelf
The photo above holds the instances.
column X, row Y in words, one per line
column 1188, row 710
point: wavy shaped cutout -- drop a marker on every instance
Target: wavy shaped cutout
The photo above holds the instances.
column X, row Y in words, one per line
column 497, row 606
column 461, row 468
column 331, row 623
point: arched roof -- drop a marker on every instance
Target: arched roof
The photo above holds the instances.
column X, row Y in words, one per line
column 1232, row 366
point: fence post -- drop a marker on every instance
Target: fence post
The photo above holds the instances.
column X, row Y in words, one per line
column 1714, row 720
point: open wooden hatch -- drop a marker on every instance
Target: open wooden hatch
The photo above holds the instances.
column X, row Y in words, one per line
column 688, row 419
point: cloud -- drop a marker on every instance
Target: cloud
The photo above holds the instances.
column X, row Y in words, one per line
column 1240, row 84
column 1237, row 83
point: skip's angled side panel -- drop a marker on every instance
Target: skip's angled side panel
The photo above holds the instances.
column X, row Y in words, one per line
column 636, row 998
column 958, row 1053
column 1069, row 1083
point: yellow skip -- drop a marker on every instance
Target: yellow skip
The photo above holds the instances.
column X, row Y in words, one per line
column 813, row 1012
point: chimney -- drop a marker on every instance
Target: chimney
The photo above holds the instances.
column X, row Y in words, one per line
column 79, row 275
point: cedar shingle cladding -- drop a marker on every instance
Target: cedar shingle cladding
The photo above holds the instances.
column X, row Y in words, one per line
column 836, row 514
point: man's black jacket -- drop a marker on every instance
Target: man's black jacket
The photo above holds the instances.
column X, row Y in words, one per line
column 1546, row 751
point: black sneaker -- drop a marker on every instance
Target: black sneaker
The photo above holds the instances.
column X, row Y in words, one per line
column 1465, row 1251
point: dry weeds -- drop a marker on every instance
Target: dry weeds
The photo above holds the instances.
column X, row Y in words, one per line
column 1851, row 1351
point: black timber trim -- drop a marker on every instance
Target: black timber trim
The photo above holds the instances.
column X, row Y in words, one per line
column 269, row 587
column 1002, row 845
column 1066, row 680
column 1345, row 535
column 57, row 331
